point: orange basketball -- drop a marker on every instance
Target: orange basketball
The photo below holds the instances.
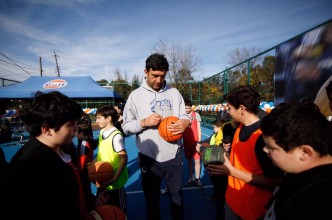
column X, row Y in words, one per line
column 100, row 172
column 163, row 131
column 107, row 212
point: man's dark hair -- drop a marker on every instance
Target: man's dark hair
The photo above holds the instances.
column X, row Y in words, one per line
column 156, row 61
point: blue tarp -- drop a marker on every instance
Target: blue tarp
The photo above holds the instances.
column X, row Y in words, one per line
column 79, row 87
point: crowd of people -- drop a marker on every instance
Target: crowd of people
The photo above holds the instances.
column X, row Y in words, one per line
column 276, row 165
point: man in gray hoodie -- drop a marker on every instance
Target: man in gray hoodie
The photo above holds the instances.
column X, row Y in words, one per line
column 158, row 159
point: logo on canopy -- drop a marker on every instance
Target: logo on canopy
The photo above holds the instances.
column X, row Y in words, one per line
column 55, row 84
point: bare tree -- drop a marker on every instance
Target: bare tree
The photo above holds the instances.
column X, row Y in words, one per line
column 239, row 55
column 119, row 76
column 120, row 83
column 183, row 60
column 135, row 82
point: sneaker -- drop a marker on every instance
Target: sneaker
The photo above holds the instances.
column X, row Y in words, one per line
column 164, row 191
column 191, row 181
column 198, row 183
column 211, row 197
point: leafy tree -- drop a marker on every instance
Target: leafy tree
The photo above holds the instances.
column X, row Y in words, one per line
column 263, row 78
column 102, row 82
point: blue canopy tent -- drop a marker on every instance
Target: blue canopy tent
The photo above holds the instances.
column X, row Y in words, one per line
column 76, row 87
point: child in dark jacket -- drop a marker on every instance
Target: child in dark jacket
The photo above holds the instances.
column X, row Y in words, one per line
column 85, row 155
column 41, row 171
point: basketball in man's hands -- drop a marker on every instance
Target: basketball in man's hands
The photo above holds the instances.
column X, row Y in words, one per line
column 165, row 133
column 100, row 172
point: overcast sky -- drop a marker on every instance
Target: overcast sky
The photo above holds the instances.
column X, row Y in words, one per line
column 95, row 37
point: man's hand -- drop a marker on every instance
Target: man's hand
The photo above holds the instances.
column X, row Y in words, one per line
column 179, row 126
column 153, row 120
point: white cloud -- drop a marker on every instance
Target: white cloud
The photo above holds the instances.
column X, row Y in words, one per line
column 96, row 37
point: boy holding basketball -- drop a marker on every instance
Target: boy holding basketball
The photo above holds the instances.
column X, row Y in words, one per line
column 111, row 148
column 158, row 159
column 40, row 171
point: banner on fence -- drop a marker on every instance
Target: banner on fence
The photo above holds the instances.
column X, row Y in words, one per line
column 303, row 68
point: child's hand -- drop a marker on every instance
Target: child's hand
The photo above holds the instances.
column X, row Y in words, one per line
column 89, row 164
column 106, row 184
column 102, row 199
column 226, row 146
column 198, row 147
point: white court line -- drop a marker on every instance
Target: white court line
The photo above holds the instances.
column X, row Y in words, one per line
column 184, row 189
column 206, row 135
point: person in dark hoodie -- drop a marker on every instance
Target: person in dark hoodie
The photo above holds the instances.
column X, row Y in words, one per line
column 158, row 159
column 41, row 176
column 298, row 140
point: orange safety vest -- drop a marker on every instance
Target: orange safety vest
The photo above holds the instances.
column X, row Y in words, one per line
column 244, row 199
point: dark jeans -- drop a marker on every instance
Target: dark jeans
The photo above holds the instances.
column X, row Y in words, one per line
column 219, row 183
column 152, row 174
column 230, row 214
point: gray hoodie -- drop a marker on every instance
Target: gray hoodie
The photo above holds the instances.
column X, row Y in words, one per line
column 141, row 103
